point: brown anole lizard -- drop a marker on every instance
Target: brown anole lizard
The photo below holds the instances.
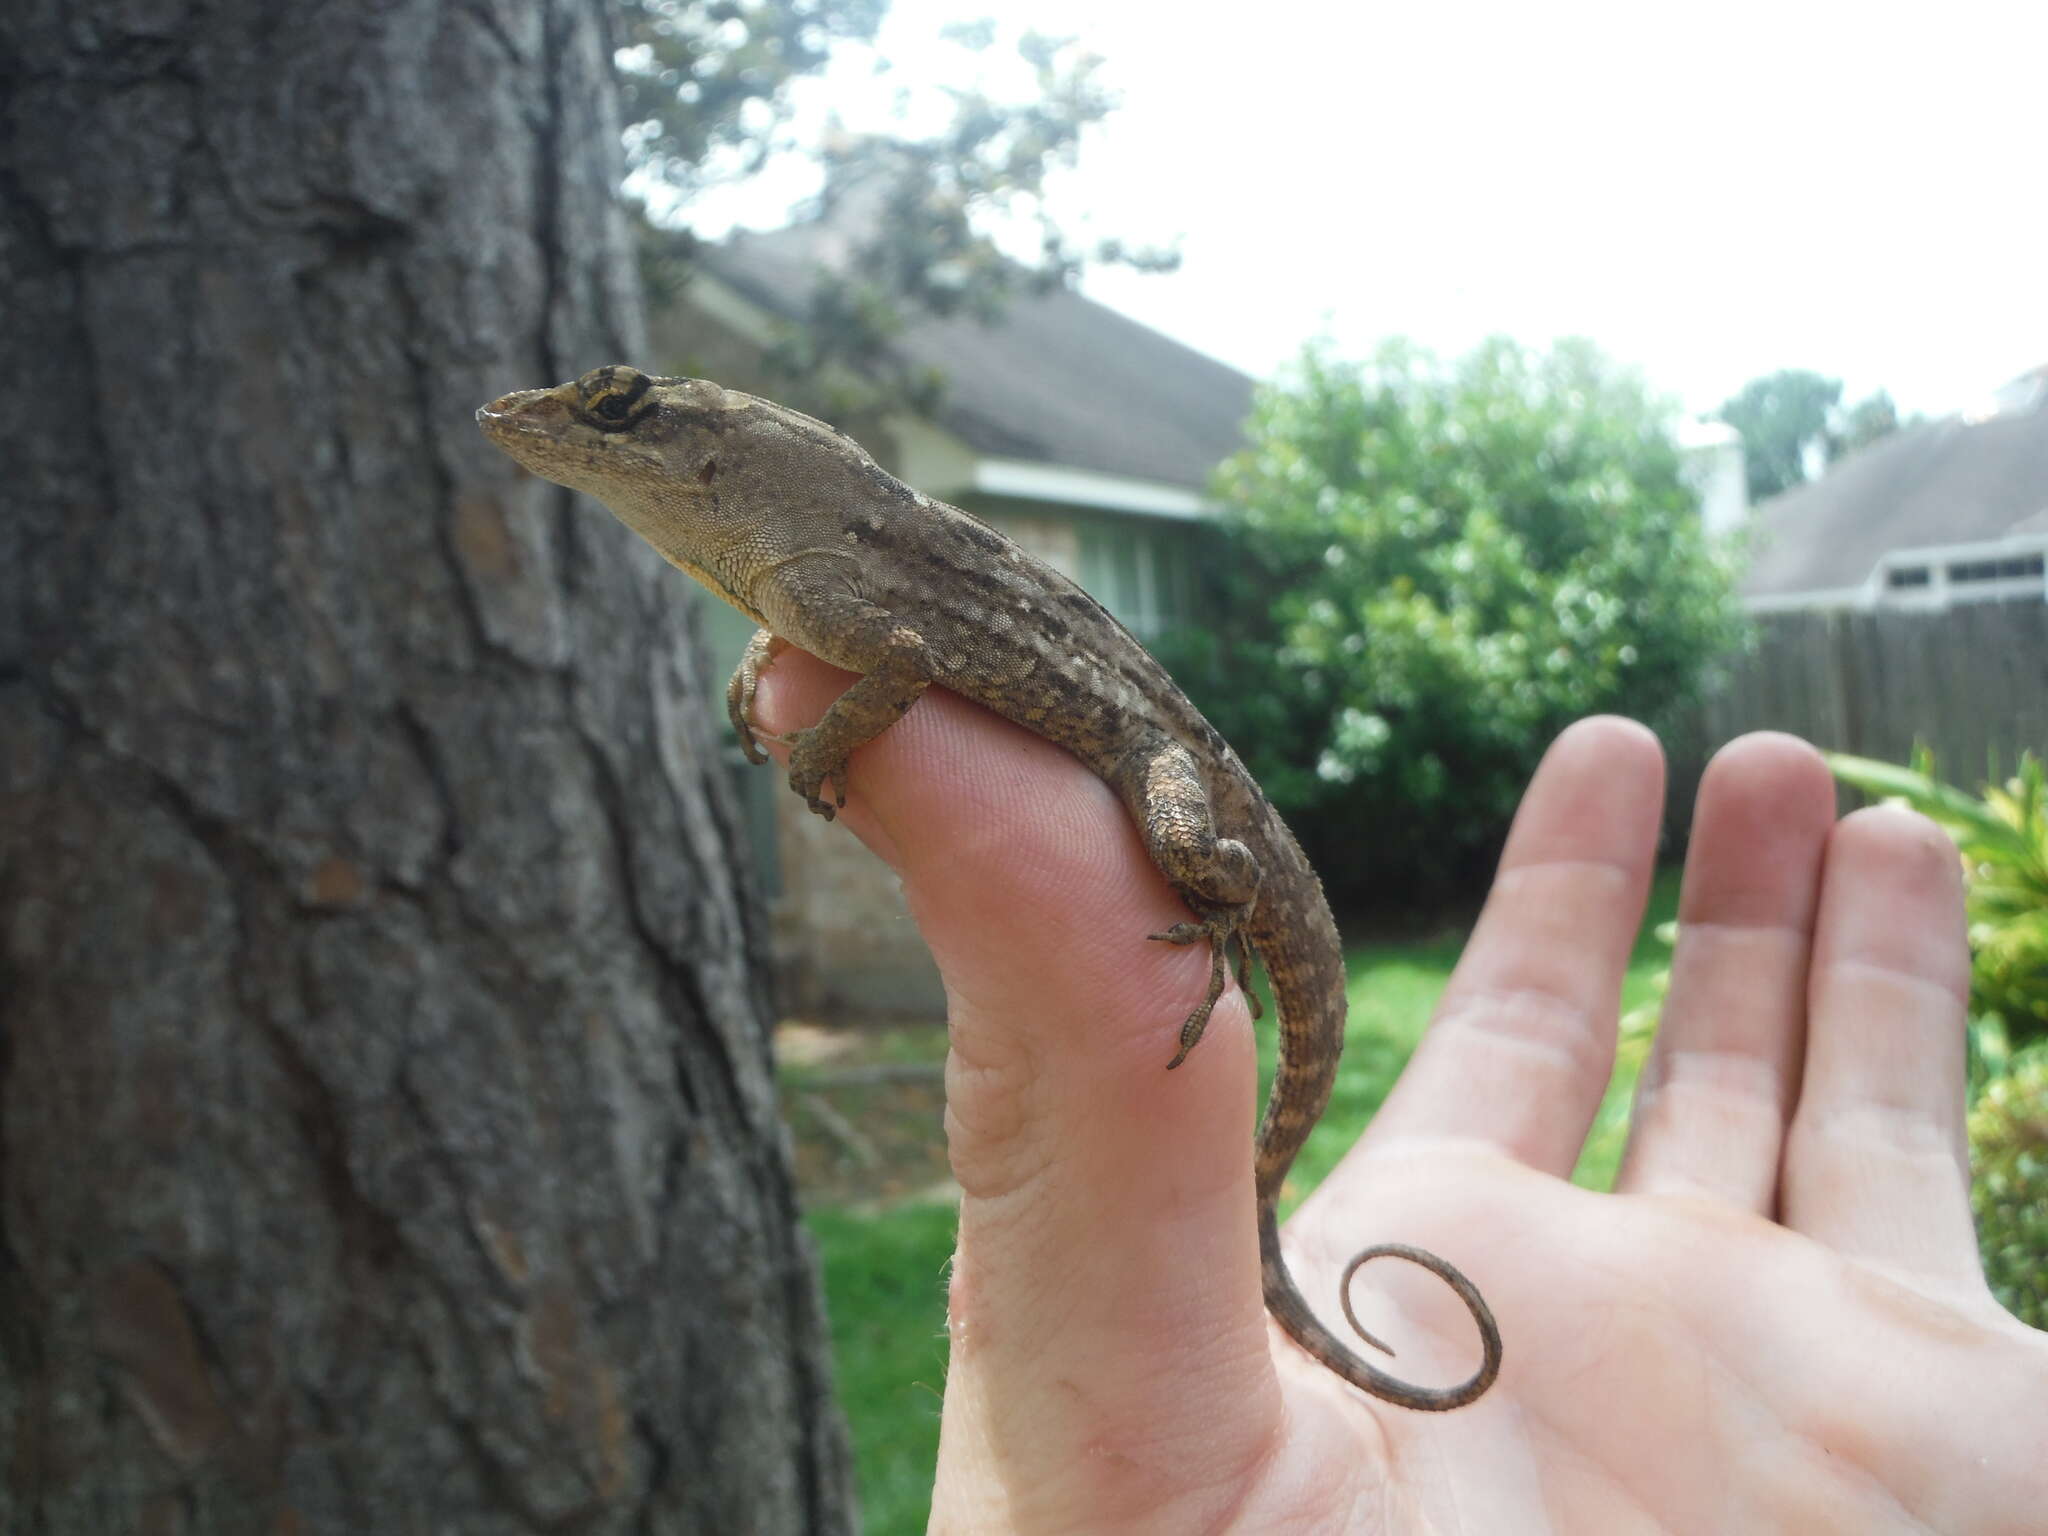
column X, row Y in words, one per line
column 789, row 521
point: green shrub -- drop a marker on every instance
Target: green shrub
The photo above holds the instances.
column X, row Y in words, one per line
column 1426, row 570
column 2009, row 1186
column 2002, row 835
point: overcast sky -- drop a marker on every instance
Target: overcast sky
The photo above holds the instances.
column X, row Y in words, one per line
column 1708, row 191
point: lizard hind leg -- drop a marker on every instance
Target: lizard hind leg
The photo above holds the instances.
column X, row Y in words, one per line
column 1217, row 876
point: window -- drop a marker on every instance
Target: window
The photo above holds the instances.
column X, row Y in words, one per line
column 2006, row 570
column 1138, row 572
column 2011, row 568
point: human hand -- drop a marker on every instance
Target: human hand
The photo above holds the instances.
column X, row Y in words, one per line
column 1776, row 1323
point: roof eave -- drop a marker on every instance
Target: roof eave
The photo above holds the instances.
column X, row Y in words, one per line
column 1066, row 485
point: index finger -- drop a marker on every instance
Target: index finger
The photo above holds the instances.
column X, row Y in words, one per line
column 1522, row 1044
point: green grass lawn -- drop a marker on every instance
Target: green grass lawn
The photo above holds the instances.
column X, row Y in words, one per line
column 885, row 1262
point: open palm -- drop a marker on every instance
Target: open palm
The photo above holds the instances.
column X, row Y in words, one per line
column 1776, row 1323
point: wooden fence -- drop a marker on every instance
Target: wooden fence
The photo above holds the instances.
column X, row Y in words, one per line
column 1971, row 682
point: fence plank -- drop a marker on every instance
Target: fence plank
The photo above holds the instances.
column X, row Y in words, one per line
column 1970, row 682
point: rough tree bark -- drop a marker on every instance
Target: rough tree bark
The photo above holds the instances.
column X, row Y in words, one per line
column 387, row 1142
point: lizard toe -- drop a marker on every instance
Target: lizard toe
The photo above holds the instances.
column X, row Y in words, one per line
column 1220, row 928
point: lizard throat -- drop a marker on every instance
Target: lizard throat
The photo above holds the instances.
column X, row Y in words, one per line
column 712, row 583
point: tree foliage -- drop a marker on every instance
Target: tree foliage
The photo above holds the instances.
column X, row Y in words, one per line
column 1427, row 569
column 1783, row 417
column 949, row 222
column 1873, row 417
column 2009, row 1186
column 1795, row 417
column 705, row 89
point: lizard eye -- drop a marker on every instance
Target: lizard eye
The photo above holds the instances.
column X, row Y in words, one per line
column 708, row 472
column 614, row 397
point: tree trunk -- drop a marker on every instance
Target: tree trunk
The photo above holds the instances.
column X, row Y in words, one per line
column 387, row 1138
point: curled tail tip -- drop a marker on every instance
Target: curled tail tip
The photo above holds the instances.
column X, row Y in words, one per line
column 1366, row 1334
column 1430, row 1398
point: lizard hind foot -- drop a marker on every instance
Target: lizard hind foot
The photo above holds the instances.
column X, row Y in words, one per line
column 1219, row 931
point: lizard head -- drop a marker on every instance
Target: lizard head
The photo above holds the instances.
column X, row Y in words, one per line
column 693, row 468
column 617, row 433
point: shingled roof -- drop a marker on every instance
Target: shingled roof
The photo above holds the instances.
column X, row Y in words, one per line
column 1962, row 480
column 1059, row 380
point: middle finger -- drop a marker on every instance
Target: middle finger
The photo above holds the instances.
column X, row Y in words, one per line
column 1714, row 1098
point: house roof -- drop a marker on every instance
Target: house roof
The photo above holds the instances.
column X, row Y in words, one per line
column 1058, row 380
column 1962, row 480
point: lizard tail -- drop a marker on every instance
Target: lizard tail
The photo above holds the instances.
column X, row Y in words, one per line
column 1291, row 1311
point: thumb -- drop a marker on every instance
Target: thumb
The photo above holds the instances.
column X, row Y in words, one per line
column 1108, row 1259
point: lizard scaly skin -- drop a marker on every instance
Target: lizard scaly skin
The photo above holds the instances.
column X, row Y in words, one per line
column 793, row 524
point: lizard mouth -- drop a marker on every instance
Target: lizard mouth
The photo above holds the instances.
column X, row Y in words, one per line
column 534, row 428
column 520, row 413
column 539, row 430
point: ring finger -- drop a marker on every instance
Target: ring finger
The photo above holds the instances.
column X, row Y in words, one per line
column 1876, row 1165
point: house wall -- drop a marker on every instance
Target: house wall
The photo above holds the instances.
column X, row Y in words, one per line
column 704, row 336
column 845, row 945
column 1139, row 567
column 1971, row 682
column 1934, row 576
column 1715, row 466
column 933, row 461
column 1051, row 533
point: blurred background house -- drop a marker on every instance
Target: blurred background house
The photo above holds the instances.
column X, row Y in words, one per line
column 1900, row 600
column 1937, row 514
column 1714, row 467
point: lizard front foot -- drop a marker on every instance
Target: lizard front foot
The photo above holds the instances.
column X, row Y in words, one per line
column 811, row 764
column 760, row 654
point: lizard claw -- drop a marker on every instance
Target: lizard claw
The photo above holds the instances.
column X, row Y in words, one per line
column 1219, row 929
column 739, row 692
column 750, row 743
column 811, row 769
column 1244, row 978
column 751, row 739
column 814, row 795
